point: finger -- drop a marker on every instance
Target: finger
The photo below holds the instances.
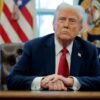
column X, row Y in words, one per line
column 68, row 81
column 44, row 86
column 57, row 77
column 60, row 85
column 47, row 79
column 50, row 86
column 63, row 87
column 55, row 86
column 64, row 80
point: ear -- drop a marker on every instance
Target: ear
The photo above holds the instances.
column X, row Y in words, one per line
column 81, row 29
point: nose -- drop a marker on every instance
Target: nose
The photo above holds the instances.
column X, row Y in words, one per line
column 66, row 23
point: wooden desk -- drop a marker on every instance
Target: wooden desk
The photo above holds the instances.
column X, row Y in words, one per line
column 48, row 95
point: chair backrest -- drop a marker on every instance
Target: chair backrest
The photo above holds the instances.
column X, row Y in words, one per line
column 9, row 54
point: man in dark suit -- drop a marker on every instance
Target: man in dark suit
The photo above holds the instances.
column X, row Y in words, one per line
column 38, row 67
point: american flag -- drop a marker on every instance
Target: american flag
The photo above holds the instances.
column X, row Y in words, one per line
column 17, row 21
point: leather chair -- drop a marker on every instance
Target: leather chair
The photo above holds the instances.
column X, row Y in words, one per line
column 9, row 54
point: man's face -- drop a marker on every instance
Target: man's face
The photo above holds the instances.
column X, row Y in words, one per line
column 67, row 25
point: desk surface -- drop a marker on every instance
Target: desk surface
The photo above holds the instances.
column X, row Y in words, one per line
column 50, row 95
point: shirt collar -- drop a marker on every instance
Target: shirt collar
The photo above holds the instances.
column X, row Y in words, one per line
column 58, row 47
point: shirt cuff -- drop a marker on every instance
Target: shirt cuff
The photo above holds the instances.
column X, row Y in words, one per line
column 36, row 83
column 76, row 86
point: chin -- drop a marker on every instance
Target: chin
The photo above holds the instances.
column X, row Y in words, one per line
column 64, row 37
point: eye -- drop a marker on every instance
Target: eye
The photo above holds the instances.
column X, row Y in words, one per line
column 72, row 20
column 61, row 19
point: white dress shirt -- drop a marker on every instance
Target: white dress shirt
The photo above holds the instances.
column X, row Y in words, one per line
column 76, row 86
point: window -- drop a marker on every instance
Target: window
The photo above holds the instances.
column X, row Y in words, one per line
column 45, row 12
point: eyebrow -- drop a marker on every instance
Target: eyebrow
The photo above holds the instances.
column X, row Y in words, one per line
column 73, row 18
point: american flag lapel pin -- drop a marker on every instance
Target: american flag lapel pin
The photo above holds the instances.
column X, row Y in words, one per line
column 79, row 55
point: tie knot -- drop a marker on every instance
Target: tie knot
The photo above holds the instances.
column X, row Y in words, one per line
column 64, row 50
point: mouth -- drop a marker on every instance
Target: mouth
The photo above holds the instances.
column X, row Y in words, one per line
column 65, row 30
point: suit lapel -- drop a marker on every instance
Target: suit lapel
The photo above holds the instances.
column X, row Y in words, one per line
column 76, row 58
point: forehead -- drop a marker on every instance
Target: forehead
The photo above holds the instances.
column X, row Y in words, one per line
column 68, row 13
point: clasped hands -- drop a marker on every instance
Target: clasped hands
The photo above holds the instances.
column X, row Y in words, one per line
column 57, row 82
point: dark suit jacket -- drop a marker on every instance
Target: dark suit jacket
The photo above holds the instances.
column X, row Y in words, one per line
column 38, row 59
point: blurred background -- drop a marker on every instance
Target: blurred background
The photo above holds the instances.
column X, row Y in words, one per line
column 22, row 20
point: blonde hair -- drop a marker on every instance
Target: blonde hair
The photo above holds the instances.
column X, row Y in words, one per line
column 67, row 6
